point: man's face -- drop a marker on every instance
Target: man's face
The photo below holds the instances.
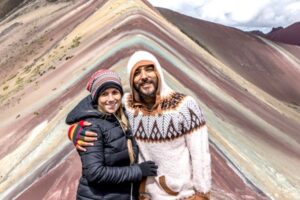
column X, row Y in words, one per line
column 145, row 80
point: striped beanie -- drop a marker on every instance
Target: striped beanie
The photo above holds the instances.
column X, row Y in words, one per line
column 102, row 80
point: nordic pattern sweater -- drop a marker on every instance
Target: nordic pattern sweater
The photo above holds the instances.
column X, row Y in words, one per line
column 177, row 141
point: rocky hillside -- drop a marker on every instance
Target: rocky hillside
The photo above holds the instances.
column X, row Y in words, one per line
column 246, row 85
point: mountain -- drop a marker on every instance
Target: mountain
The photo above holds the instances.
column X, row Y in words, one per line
column 246, row 85
column 257, row 32
column 288, row 35
column 245, row 54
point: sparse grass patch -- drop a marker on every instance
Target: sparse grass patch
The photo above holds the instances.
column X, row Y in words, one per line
column 51, row 67
column 28, row 68
column 60, row 59
column 19, row 81
column 5, row 87
column 41, row 73
column 76, row 42
column 68, row 57
column 37, row 70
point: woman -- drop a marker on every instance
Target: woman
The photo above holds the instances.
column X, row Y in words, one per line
column 109, row 168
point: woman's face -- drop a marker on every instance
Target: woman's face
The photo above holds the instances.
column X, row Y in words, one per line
column 110, row 100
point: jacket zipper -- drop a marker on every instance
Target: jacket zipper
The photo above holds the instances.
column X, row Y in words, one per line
column 131, row 184
column 131, row 191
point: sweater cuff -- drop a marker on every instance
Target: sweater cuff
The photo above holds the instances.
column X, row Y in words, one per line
column 203, row 196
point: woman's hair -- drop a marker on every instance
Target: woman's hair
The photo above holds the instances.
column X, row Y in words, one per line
column 125, row 126
column 122, row 118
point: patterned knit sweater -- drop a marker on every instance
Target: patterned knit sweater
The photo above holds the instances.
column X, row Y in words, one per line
column 177, row 141
column 173, row 135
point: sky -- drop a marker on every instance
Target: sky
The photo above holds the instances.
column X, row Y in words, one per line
column 247, row 15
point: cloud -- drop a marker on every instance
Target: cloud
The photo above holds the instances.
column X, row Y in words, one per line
column 242, row 14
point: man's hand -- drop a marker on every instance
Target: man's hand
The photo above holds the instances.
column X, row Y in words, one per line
column 80, row 137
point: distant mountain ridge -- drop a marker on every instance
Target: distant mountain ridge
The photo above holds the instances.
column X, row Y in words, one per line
column 288, row 35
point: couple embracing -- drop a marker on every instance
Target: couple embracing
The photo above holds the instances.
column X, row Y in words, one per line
column 154, row 145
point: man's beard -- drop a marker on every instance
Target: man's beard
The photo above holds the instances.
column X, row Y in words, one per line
column 143, row 95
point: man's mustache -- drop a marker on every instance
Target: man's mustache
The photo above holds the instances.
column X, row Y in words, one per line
column 145, row 81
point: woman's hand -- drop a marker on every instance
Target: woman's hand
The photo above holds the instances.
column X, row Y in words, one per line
column 148, row 168
column 80, row 137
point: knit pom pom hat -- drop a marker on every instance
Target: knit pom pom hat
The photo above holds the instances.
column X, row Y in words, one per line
column 102, row 80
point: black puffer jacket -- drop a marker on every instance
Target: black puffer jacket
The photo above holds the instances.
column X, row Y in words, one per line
column 106, row 170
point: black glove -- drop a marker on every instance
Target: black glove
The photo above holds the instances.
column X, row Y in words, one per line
column 149, row 168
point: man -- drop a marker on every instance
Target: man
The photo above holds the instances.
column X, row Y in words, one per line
column 170, row 130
